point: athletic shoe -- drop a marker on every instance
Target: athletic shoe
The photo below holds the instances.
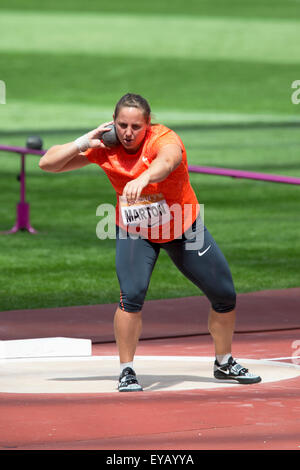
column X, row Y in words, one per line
column 234, row 371
column 128, row 381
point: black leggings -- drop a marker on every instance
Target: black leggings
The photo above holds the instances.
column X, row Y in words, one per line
column 204, row 264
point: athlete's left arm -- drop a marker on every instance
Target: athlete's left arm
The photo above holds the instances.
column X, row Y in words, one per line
column 167, row 160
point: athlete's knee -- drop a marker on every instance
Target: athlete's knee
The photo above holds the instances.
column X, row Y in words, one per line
column 226, row 302
column 132, row 300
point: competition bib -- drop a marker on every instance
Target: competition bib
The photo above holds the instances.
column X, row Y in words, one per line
column 148, row 211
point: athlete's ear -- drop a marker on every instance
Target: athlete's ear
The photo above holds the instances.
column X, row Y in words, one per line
column 114, row 116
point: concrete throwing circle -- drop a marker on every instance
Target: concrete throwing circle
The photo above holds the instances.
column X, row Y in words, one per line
column 99, row 374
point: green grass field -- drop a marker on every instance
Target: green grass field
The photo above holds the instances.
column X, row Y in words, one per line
column 220, row 76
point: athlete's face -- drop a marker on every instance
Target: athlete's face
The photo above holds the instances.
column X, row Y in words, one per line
column 131, row 127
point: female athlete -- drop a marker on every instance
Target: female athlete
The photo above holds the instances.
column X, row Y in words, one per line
column 156, row 209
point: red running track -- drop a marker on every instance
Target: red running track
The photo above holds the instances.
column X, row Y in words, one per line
column 263, row 416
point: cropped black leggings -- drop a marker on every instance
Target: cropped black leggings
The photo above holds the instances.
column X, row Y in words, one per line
column 204, row 265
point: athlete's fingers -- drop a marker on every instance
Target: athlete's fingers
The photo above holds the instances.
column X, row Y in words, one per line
column 105, row 124
column 133, row 189
column 130, row 196
column 142, row 181
column 103, row 127
column 96, row 143
column 99, row 130
column 139, row 191
column 130, row 192
column 126, row 191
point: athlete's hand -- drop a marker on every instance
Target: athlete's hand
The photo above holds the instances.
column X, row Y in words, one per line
column 94, row 136
column 134, row 188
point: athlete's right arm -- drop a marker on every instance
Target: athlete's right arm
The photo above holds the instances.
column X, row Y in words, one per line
column 69, row 156
column 64, row 157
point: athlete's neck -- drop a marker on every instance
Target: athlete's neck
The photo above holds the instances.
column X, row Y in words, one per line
column 133, row 152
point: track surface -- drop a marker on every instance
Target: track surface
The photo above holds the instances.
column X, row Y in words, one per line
column 262, row 416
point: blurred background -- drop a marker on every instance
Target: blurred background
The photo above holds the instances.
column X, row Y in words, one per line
column 219, row 73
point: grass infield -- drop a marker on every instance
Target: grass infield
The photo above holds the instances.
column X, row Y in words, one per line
column 227, row 95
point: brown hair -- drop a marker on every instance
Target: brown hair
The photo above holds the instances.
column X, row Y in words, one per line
column 131, row 100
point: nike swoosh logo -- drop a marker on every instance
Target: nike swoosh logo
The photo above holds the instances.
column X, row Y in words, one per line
column 224, row 371
column 203, row 252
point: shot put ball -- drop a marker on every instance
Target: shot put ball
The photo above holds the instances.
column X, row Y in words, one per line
column 110, row 138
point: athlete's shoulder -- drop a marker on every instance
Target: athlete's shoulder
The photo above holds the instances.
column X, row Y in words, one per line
column 161, row 135
column 157, row 130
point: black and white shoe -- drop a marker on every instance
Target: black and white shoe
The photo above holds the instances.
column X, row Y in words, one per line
column 128, row 381
column 234, row 371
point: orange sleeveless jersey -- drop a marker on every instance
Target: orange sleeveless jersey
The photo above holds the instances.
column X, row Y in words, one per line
column 166, row 209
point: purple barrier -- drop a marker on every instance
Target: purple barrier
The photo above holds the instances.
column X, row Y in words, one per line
column 23, row 222
column 23, row 208
column 244, row 174
column 22, row 150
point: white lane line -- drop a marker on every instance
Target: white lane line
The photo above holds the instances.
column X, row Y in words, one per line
column 279, row 358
